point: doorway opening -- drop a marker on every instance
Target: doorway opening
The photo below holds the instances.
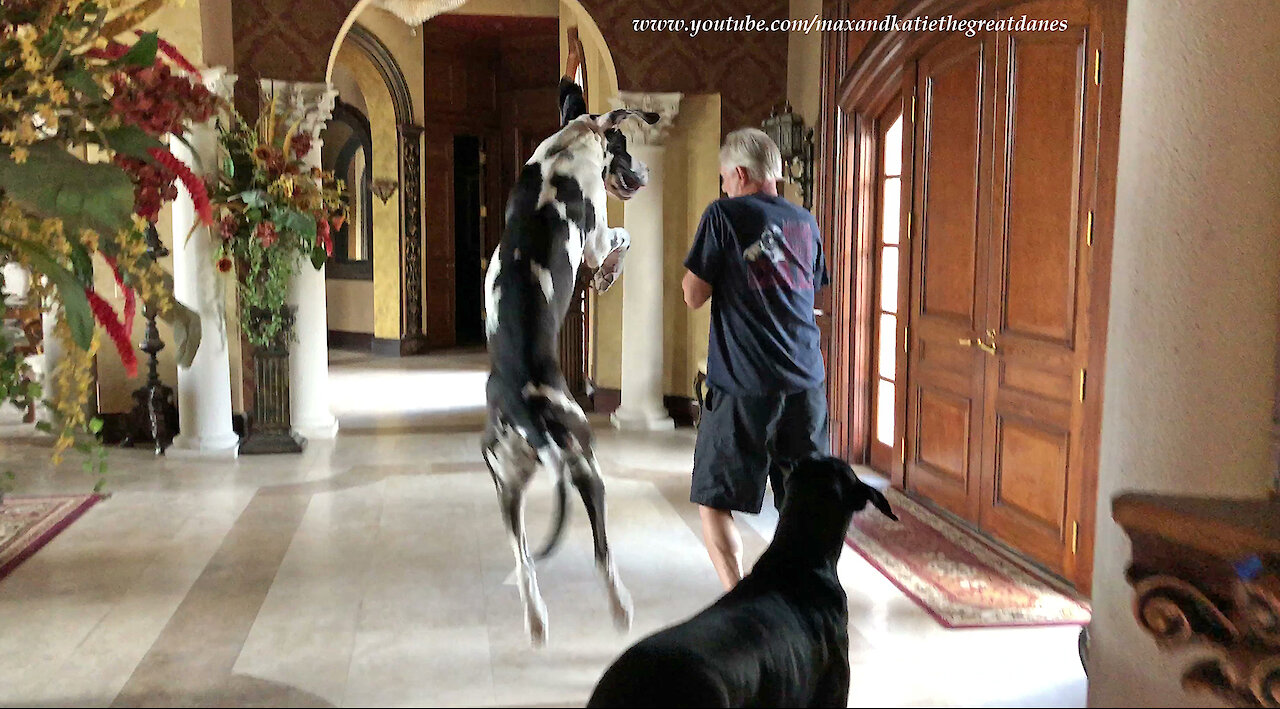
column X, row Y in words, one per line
column 468, row 239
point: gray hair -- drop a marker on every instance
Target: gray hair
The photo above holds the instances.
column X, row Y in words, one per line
column 754, row 151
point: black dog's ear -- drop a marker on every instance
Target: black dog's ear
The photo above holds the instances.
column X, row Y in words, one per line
column 572, row 102
column 864, row 493
column 875, row 497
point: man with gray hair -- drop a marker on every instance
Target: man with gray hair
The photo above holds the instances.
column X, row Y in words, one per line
column 758, row 258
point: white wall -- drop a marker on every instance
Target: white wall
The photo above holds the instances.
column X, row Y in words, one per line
column 1196, row 271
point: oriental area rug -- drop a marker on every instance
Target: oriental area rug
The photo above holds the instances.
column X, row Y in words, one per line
column 956, row 577
column 28, row 522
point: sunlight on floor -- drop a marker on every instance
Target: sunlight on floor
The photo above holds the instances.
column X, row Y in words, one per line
column 368, row 392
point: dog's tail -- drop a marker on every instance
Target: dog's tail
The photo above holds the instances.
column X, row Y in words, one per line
column 555, row 430
column 558, row 517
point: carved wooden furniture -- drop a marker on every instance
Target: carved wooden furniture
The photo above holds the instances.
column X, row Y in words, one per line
column 1206, row 576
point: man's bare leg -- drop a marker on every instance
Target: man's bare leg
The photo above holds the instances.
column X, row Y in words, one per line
column 724, row 544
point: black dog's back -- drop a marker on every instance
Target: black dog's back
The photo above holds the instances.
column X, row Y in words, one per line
column 746, row 650
column 780, row 637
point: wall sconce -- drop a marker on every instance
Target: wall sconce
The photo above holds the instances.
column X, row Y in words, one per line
column 795, row 142
column 384, row 188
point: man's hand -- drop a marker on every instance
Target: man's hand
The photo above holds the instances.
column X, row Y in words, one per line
column 696, row 291
column 186, row 332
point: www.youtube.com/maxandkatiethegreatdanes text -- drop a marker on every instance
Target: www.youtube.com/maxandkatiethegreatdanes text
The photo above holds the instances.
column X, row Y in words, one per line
column 888, row 23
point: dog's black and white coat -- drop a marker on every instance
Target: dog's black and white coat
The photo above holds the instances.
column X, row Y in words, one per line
column 555, row 221
column 780, row 637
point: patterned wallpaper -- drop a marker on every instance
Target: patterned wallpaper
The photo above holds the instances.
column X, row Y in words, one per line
column 747, row 69
column 287, row 39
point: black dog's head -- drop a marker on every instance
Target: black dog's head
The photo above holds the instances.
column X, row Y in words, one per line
column 831, row 478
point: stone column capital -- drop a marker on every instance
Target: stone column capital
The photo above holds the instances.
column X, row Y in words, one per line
column 308, row 104
column 666, row 105
column 219, row 81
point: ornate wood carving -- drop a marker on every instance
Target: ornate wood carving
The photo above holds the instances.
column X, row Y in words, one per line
column 1206, row 575
column 411, row 237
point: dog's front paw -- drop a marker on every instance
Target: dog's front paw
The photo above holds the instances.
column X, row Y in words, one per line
column 610, row 269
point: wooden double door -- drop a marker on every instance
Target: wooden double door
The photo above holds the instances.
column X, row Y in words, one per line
column 999, row 224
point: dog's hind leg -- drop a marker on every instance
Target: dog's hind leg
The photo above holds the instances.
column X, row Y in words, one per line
column 585, row 474
column 513, row 463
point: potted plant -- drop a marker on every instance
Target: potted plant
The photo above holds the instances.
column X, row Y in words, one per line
column 275, row 215
column 68, row 88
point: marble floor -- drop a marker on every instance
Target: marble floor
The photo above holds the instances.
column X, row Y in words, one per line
column 372, row 570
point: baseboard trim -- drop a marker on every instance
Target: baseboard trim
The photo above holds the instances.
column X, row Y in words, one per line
column 343, row 340
column 395, row 347
column 115, row 426
column 682, row 409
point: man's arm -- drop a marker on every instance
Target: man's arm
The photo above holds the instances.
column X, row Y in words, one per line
column 696, row 290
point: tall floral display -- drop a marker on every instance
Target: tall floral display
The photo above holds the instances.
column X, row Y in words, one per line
column 86, row 105
column 275, row 214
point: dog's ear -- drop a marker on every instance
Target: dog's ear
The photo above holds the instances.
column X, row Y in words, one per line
column 877, row 498
column 864, row 493
column 617, row 115
column 572, row 102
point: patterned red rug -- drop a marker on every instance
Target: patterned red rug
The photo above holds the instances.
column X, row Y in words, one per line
column 954, row 576
column 28, row 522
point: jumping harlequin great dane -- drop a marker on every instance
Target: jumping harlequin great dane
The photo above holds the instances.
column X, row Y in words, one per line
column 555, row 221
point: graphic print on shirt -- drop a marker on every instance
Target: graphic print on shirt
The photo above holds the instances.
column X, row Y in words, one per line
column 782, row 257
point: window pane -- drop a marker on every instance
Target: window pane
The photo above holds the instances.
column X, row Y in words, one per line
column 893, row 149
column 891, row 211
column 884, row 413
column 889, row 279
column 888, row 339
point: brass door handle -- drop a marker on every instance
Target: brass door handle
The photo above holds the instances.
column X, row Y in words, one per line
column 968, row 342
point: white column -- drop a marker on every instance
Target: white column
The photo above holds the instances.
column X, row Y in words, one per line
column 642, row 312
column 1195, row 272
column 204, row 388
column 312, row 105
column 53, row 353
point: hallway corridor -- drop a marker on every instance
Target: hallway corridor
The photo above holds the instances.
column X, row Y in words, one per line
column 373, row 571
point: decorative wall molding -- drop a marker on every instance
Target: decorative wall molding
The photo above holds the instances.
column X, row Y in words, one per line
column 388, row 68
column 411, row 235
column 1206, row 576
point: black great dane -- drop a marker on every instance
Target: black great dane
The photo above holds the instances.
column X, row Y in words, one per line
column 555, row 221
column 780, row 638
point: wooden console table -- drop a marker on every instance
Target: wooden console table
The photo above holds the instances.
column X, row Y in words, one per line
column 1206, row 575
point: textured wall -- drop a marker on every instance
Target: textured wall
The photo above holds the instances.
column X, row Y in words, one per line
column 748, row 69
column 349, row 305
column 284, row 39
column 1195, row 275
column 385, row 294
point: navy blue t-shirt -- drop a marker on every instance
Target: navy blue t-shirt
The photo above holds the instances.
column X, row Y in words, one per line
column 763, row 258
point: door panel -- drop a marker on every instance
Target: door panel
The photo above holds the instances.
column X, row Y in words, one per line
column 1042, row 148
column 1036, row 295
column 952, row 95
column 949, row 213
